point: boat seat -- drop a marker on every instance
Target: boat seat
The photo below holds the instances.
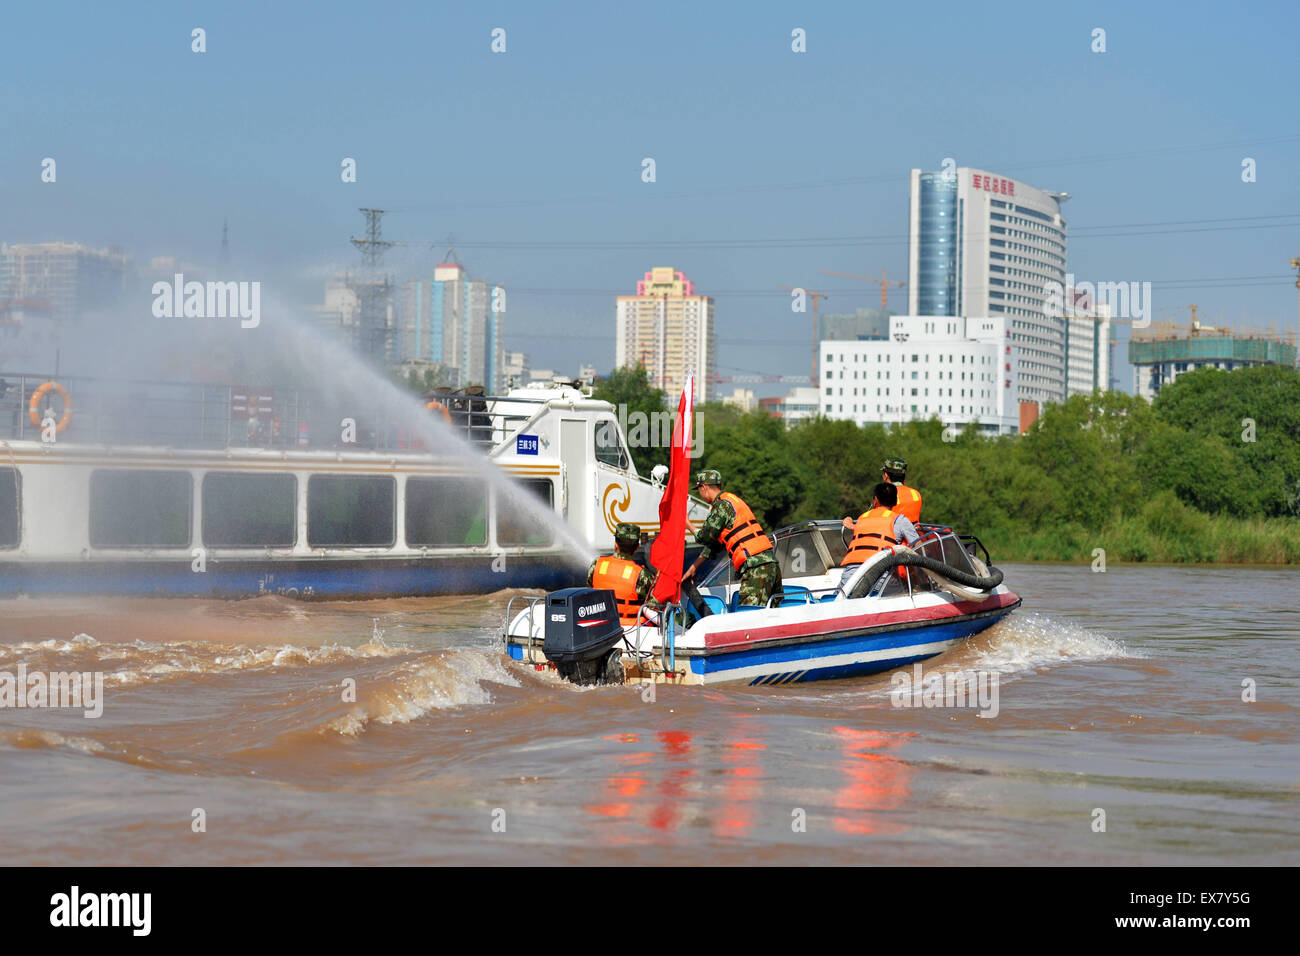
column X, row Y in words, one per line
column 826, row 598
column 794, row 594
column 715, row 603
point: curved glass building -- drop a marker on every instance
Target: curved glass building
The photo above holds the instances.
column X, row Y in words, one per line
column 988, row 245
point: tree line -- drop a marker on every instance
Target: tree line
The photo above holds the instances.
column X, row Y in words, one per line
column 1208, row 472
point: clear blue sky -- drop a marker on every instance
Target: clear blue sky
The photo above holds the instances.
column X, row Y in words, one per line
column 543, row 144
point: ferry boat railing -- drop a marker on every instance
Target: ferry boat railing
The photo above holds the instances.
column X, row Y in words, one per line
column 108, row 411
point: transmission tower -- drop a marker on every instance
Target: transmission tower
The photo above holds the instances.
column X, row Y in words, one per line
column 374, row 291
column 373, row 246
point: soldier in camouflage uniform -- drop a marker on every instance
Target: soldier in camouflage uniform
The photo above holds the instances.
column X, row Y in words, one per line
column 731, row 525
column 626, row 538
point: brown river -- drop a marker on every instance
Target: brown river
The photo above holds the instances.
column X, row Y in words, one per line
column 229, row 734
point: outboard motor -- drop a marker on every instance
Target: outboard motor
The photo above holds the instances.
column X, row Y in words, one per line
column 582, row 635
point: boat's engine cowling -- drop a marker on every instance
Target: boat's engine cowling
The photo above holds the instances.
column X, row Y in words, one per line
column 582, row 632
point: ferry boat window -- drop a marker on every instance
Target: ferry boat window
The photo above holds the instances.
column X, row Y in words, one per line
column 140, row 509
column 516, row 525
column 249, row 511
column 445, row 512
column 10, row 507
column 609, row 450
column 351, row 512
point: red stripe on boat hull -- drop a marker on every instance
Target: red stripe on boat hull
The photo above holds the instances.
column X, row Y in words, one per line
column 836, row 625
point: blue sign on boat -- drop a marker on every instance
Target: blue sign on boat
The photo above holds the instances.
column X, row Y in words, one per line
column 525, row 444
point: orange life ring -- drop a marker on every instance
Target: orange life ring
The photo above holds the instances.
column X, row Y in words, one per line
column 33, row 408
column 446, row 415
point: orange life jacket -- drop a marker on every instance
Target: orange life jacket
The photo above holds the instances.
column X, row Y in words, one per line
column 909, row 503
column 619, row 575
column 745, row 537
column 873, row 532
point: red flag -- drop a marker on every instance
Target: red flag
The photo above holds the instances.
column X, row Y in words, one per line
column 669, row 548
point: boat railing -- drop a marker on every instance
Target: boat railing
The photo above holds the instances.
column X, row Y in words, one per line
column 530, row 605
column 801, row 596
column 107, row 411
column 972, row 545
column 668, row 649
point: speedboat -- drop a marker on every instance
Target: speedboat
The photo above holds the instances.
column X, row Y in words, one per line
column 901, row 606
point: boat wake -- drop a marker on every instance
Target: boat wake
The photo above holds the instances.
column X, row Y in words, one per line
column 1019, row 646
column 415, row 689
column 1025, row 643
column 145, row 662
column 193, row 706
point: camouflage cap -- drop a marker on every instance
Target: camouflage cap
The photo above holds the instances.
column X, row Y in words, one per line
column 709, row 476
column 894, row 464
column 626, row 531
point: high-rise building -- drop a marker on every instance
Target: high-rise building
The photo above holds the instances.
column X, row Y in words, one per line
column 988, row 245
column 66, row 279
column 959, row 370
column 339, row 317
column 455, row 321
column 669, row 329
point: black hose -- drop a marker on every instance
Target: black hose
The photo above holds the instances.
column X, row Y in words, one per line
column 912, row 559
column 692, row 593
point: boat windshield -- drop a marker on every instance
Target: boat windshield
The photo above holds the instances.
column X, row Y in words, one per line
column 944, row 545
column 808, row 549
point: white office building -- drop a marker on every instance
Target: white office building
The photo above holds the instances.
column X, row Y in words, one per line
column 959, row 370
column 988, row 245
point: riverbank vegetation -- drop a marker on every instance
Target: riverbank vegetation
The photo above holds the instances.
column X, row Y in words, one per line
column 1208, row 472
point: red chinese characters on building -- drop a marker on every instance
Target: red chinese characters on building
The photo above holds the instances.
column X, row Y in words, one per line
column 993, row 184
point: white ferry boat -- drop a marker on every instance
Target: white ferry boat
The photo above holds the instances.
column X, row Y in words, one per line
column 180, row 489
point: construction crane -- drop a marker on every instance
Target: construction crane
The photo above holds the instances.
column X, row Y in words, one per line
column 782, row 379
column 884, row 280
column 1197, row 328
column 1137, row 324
column 816, row 328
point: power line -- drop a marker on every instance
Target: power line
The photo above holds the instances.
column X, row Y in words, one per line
column 848, row 181
column 1191, row 283
column 1106, row 231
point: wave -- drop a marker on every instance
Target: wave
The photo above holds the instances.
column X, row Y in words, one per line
column 417, row 688
column 1023, row 643
column 142, row 662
